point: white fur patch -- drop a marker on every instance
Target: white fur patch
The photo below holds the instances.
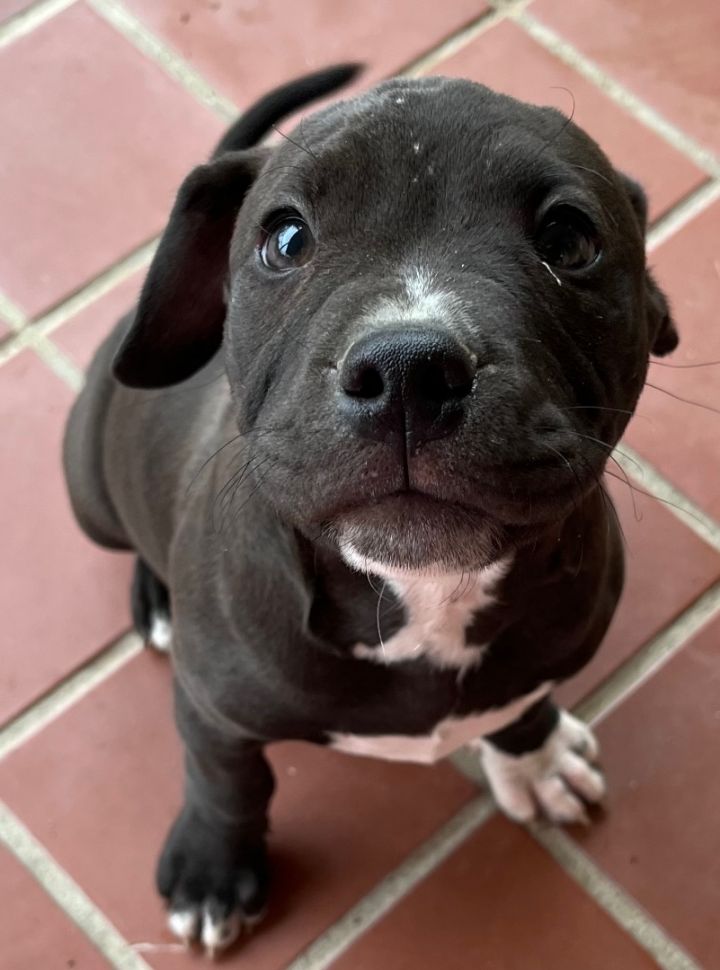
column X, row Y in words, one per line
column 439, row 608
column 555, row 781
column 215, row 930
column 421, row 301
column 448, row 735
column 160, row 635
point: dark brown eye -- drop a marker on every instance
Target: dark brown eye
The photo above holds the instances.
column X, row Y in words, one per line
column 287, row 243
column 567, row 239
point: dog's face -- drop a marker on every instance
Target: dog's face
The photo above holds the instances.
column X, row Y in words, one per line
column 439, row 319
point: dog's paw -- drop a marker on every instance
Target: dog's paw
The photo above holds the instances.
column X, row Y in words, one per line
column 215, row 886
column 556, row 781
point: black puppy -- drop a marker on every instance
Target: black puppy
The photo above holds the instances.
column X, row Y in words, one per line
column 406, row 340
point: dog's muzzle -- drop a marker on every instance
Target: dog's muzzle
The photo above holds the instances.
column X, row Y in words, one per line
column 405, row 383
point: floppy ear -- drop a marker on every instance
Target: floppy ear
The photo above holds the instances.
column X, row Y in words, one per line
column 178, row 325
column 664, row 335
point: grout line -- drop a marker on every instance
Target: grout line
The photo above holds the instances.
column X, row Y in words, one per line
column 453, row 43
column 11, row 313
column 27, row 20
column 58, row 884
column 682, row 212
column 427, row 857
column 134, row 30
column 96, row 288
column 58, row 362
column 616, row 902
column 68, row 692
column 31, row 333
column 642, row 112
column 640, row 666
column 656, row 485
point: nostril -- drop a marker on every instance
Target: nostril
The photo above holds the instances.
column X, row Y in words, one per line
column 365, row 382
column 444, row 381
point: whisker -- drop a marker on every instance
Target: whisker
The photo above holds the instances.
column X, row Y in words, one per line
column 658, row 498
column 295, row 143
column 377, row 617
column 664, row 363
column 684, row 400
column 596, row 407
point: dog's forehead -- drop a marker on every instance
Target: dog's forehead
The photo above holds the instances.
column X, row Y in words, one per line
column 405, row 130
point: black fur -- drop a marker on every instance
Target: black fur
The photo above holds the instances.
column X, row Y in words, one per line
column 240, row 486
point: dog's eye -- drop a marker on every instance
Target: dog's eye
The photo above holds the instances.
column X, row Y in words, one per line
column 286, row 243
column 567, row 239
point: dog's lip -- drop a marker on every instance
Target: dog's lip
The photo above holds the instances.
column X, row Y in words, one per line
column 408, row 497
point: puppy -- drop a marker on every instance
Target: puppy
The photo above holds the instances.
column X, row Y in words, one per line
column 403, row 343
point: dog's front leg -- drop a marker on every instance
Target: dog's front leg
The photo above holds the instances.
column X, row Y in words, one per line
column 545, row 763
column 213, row 868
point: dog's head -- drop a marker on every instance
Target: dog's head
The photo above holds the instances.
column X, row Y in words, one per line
column 437, row 317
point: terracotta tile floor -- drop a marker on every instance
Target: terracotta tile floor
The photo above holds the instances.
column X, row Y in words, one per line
column 97, row 133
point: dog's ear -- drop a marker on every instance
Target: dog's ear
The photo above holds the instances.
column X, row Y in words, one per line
column 179, row 321
column 664, row 335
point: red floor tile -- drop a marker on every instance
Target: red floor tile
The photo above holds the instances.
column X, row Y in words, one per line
column 660, row 838
column 61, row 599
column 680, row 439
column 244, row 49
column 498, row 902
column 665, row 53
column 507, row 60
column 667, row 567
column 82, row 334
column 36, row 933
column 97, row 176
column 99, row 787
column 8, row 8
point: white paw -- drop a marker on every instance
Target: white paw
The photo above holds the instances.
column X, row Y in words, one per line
column 210, row 925
column 556, row 781
column 160, row 636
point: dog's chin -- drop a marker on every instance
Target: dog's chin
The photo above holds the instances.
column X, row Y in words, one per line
column 412, row 532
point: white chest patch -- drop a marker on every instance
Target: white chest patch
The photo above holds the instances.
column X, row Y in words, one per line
column 438, row 608
column 447, row 736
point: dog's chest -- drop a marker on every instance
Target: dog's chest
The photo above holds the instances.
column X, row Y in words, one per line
column 438, row 610
column 446, row 737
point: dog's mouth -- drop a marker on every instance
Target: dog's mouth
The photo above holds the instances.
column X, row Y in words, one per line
column 411, row 528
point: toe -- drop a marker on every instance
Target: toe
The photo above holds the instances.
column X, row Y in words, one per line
column 185, row 923
column 560, row 804
column 516, row 800
column 220, row 928
column 579, row 737
column 587, row 781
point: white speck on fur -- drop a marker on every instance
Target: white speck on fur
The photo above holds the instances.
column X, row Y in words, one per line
column 554, row 781
column 551, row 272
column 416, row 147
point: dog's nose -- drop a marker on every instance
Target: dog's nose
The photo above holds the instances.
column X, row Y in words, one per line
column 409, row 382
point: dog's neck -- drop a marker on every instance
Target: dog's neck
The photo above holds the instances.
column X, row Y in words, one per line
column 439, row 608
